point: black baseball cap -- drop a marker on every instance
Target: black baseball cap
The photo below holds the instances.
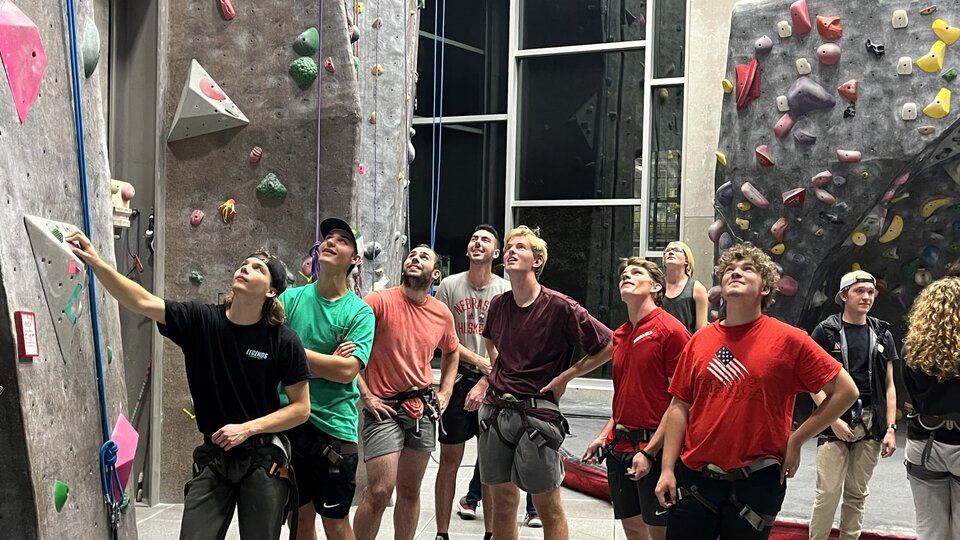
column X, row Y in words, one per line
column 278, row 272
column 330, row 224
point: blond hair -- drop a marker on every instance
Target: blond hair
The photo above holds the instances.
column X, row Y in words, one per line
column 932, row 344
column 654, row 271
column 688, row 253
column 769, row 274
column 273, row 312
column 537, row 245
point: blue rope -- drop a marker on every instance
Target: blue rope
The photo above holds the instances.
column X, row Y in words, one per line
column 443, row 54
column 108, row 470
column 433, row 125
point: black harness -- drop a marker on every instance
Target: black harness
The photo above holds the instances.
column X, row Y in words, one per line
column 333, row 450
column 428, row 396
column 757, row 520
column 521, row 406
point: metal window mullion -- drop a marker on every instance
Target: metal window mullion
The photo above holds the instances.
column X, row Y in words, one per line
column 560, row 203
column 647, row 90
column 619, row 46
column 686, row 109
column 512, row 112
column 463, row 119
column 668, row 81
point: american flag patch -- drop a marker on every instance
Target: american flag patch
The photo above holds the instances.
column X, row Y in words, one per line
column 725, row 367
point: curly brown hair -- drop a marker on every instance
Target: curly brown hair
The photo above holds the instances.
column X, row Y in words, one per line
column 769, row 274
column 933, row 338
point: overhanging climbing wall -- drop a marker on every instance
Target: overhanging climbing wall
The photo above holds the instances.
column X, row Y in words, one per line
column 838, row 147
column 49, row 411
column 267, row 167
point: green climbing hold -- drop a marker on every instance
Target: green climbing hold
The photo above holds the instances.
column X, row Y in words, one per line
column 196, row 277
column 356, row 63
column 125, row 504
column 60, row 493
column 109, row 354
column 90, row 49
column 949, row 75
column 421, row 4
column 307, row 43
column 910, row 267
column 304, row 71
column 271, row 188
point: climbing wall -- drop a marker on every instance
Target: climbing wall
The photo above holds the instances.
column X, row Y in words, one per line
column 838, row 147
column 49, row 410
column 239, row 172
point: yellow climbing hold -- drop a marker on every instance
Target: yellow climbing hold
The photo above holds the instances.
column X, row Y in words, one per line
column 777, row 249
column 944, row 31
column 727, row 86
column 931, row 206
column 722, row 158
column 744, row 224
column 940, row 106
column 858, row 238
column 893, row 231
column 358, row 7
column 932, row 62
column 743, row 206
column 376, row 70
column 855, row 267
column 190, row 414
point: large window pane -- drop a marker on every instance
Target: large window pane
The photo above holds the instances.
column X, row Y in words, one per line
column 666, row 142
column 556, row 23
column 670, row 36
column 585, row 245
column 581, row 125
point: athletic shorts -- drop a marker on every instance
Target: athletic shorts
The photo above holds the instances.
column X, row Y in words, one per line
column 532, row 467
column 331, row 493
column 397, row 433
column 459, row 424
column 634, row 498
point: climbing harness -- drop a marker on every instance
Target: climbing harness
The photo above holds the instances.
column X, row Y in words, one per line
column 521, row 406
column 757, row 520
column 931, row 423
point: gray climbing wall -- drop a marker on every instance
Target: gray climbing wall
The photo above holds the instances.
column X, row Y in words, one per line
column 382, row 188
column 248, row 57
column 907, row 168
column 49, row 411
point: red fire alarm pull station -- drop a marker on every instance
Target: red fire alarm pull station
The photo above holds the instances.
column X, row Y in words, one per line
column 27, row 342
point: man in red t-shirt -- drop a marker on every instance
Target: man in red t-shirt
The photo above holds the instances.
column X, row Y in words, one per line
column 645, row 353
column 531, row 334
column 734, row 390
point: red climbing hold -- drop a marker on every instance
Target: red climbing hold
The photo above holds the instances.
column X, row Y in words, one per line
column 211, row 90
column 777, row 229
column 822, row 178
column 829, row 27
column 800, row 17
column 849, row 89
column 715, row 230
column 794, row 197
column 226, row 9
column 748, row 83
column 763, row 156
column 783, row 125
column 825, row 196
column 255, row 154
column 787, row 286
column 328, row 65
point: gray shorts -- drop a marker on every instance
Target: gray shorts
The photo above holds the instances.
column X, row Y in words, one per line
column 532, row 467
column 396, row 433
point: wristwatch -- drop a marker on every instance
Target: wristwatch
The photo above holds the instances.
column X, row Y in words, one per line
column 892, row 426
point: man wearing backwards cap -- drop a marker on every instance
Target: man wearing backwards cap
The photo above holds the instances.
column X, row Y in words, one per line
column 235, row 356
column 848, row 452
column 336, row 328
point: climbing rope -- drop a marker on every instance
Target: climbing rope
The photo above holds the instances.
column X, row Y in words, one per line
column 437, row 122
column 110, row 479
column 315, row 250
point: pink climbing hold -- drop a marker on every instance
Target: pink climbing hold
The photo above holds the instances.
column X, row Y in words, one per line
column 211, row 90
column 126, row 438
column 23, row 55
column 848, row 156
column 196, row 218
column 828, row 53
column 825, row 196
column 849, row 90
column 328, row 65
column 763, row 156
column 902, row 179
column 800, row 16
column 226, row 9
column 127, row 192
column 716, row 229
column 787, row 286
column 783, row 125
column 794, row 197
column 822, row 178
column 777, row 229
column 829, row 27
column 255, row 154
column 362, row 169
column 753, row 195
column 748, row 83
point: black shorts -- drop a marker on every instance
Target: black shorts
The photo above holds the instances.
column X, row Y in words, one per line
column 331, row 494
column 634, row 498
column 460, row 425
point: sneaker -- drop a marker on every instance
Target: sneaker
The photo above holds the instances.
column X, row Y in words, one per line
column 467, row 509
column 533, row 521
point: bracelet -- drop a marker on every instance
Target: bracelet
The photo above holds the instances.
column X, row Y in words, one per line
column 648, row 456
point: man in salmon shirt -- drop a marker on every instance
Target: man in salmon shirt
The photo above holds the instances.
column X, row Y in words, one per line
column 734, row 390
column 645, row 354
column 400, row 406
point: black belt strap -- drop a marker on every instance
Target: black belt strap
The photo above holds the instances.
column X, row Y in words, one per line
column 756, row 520
column 521, row 406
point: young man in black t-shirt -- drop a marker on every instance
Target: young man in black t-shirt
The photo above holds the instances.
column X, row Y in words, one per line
column 236, row 355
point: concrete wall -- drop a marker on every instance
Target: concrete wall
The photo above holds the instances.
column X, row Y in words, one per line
column 49, row 411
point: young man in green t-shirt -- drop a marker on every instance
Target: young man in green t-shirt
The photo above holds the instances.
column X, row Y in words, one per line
column 336, row 328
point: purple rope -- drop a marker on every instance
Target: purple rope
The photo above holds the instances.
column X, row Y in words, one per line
column 315, row 250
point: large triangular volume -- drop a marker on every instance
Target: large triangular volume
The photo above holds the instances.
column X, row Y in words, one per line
column 203, row 108
column 62, row 275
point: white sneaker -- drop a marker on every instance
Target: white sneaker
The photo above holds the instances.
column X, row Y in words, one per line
column 533, row 521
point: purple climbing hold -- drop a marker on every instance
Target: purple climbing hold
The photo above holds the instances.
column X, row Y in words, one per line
column 804, row 137
column 794, row 197
column 783, row 125
column 753, row 195
column 715, row 230
column 726, row 240
column 828, row 53
column 724, row 194
column 763, row 45
column 822, row 178
column 763, row 156
column 805, row 96
column 713, row 295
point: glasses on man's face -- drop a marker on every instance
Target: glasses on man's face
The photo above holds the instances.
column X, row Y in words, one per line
column 673, row 250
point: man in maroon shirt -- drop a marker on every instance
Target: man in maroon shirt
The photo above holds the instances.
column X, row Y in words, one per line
column 531, row 334
column 645, row 354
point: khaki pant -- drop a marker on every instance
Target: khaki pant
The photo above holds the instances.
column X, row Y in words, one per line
column 843, row 469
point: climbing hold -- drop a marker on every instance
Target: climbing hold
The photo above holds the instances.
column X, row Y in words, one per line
column 778, row 227
column 354, row 34
column 196, row 277
column 743, row 206
column 763, row 156
column 201, row 95
column 271, row 187
column 663, row 94
column 858, row 238
column 949, row 75
column 358, row 7
column 753, row 195
column 829, row 27
column 850, row 111
column 376, row 70
column 727, row 86
column 372, row 251
column 890, row 254
column 411, row 152
column 227, row 11
column 787, row 286
column 910, row 267
column 255, row 154
column 196, row 218
column 825, row 196
column 373, row 117
column 742, row 223
column 748, row 83
column 722, row 158
column 800, row 16
column 356, row 63
column 839, row 180
column 328, row 65
column 828, row 53
column 724, row 194
column 715, row 230
column 377, row 23
column 822, row 178
column 228, row 210
column 945, row 32
column 783, row 125
column 928, row 10
column 926, row 130
column 784, row 29
column 23, row 55
column 804, row 137
column 909, row 111
column 308, row 42
column 794, row 197
column 849, row 90
column 361, row 169
column 803, row 66
column 923, row 277
column 932, row 62
column 782, row 104
column 904, row 65
column 848, row 156
column 304, row 71
column 806, row 96
column 778, row 249
column 876, row 48
column 61, row 491
column 188, row 413
column 940, row 106
column 819, row 232
column 900, row 18
column 713, row 295
column 90, row 49
column 893, row 230
column 763, row 45
column 928, row 208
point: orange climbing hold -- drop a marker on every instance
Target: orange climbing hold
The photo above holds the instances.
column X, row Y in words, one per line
column 829, row 27
column 849, row 90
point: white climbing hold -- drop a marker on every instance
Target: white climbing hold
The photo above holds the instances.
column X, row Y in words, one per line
column 782, row 104
column 784, row 29
column 904, row 65
column 203, row 108
column 900, row 18
column 909, row 111
column 803, row 66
